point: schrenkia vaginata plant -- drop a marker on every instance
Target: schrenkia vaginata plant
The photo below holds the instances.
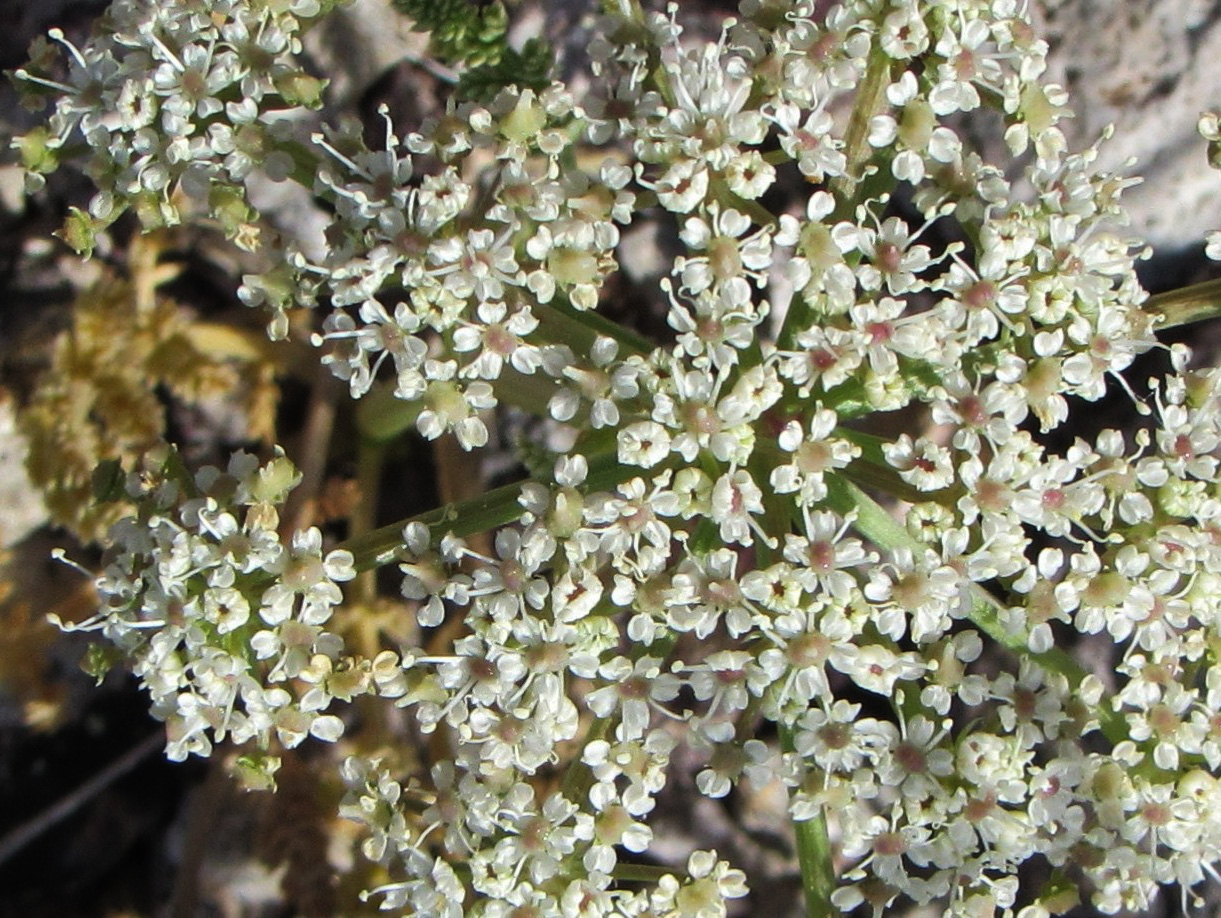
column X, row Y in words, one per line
column 710, row 550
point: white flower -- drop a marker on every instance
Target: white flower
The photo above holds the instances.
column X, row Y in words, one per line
column 480, row 266
column 303, row 572
column 450, row 406
column 927, row 465
column 633, row 689
column 1213, row 247
column 702, row 895
column 682, row 187
column 735, row 499
column 644, row 443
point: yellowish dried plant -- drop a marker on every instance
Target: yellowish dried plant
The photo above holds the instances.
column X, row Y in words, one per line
column 104, row 396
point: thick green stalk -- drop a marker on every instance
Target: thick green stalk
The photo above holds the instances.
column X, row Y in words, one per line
column 465, row 518
column 813, row 853
column 874, row 522
column 871, row 468
column 381, row 416
column 643, row 873
column 497, row 507
column 578, row 779
column 564, row 324
column 1186, row 305
column 370, row 463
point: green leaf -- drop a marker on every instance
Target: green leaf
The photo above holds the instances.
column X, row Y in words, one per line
column 529, row 68
column 109, row 481
column 460, row 31
column 474, row 33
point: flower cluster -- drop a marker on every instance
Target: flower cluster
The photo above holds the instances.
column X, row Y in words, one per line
column 714, row 544
column 220, row 619
column 176, row 102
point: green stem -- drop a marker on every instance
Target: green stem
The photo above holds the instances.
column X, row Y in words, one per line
column 497, row 507
column 531, row 393
column 563, row 324
column 579, row 778
column 869, row 99
column 875, row 523
column 305, row 162
column 813, row 853
column 370, row 463
column 847, row 188
column 381, row 416
column 643, row 873
column 1186, row 305
column 871, row 468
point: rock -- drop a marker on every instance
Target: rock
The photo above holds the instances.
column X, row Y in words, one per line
column 1150, row 67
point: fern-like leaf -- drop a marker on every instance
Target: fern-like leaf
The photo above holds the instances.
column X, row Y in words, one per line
column 529, row 68
column 460, row 31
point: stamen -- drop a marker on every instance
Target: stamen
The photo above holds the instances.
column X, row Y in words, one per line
column 22, row 74
column 1138, row 403
column 170, row 56
column 321, row 140
column 59, row 555
column 93, row 623
column 57, row 35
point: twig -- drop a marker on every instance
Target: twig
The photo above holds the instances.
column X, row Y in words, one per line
column 433, row 67
column 313, row 452
column 29, row 830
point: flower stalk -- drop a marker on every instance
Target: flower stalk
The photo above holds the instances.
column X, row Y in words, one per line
column 815, row 857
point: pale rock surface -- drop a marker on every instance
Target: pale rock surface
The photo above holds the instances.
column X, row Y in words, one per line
column 1150, row 67
column 21, row 509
